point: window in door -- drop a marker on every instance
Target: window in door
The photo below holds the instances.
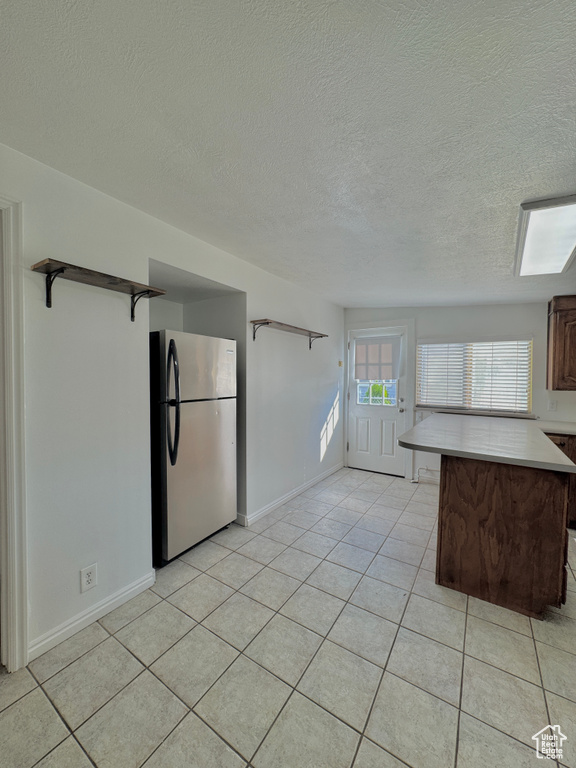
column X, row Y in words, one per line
column 377, row 392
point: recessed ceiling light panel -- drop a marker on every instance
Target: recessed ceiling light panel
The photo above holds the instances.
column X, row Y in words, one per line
column 546, row 236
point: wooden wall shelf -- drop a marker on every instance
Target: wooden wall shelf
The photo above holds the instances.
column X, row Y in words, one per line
column 312, row 335
column 53, row 269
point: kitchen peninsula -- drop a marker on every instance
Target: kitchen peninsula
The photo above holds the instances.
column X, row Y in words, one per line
column 502, row 533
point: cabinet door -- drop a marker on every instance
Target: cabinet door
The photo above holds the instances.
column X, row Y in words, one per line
column 567, row 444
column 562, row 349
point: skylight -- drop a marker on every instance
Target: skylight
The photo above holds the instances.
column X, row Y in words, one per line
column 546, row 236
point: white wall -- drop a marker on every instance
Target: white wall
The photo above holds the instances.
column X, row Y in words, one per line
column 166, row 314
column 472, row 323
column 301, row 386
column 86, row 392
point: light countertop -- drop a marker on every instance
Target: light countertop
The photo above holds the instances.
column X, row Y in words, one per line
column 505, row 441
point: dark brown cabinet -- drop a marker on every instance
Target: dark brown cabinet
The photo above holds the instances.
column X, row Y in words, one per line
column 567, row 444
column 502, row 533
column 561, row 371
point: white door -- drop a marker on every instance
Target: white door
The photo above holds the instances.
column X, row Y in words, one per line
column 376, row 401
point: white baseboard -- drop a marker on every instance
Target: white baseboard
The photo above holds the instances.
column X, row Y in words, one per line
column 249, row 519
column 55, row 636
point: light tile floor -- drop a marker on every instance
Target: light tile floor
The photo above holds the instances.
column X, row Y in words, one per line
column 316, row 638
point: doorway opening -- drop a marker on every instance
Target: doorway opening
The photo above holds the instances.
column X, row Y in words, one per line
column 379, row 400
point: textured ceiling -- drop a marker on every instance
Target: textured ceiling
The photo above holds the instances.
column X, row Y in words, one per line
column 375, row 152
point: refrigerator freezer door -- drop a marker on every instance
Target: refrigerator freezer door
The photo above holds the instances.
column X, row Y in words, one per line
column 201, row 486
column 207, row 366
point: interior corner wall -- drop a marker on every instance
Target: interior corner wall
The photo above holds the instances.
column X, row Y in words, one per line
column 475, row 323
column 225, row 317
column 87, row 395
column 166, row 314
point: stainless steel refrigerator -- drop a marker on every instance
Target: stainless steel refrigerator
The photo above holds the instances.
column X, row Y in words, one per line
column 193, row 430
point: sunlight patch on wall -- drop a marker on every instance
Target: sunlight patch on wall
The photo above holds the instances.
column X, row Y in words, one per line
column 329, row 426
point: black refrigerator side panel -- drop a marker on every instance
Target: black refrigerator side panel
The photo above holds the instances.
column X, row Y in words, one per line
column 158, row 455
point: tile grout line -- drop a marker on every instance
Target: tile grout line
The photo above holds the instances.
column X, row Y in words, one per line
column 324, row 559
column 461, row 684
column 494, row 728
column 362, row 574
column 326, row 639
column 339, row 541
column 23, row 696
column 236, row 590
column 71, row 735
column 190, row 710
column 464, row 654
column 71, row 732
column 293, row 687
column 188, row 707
column 277, row 612
column 476, row 717
column 145, row 668
column 260, row 630
column 463, row 659
column 69, row 664
column 384, row 669
column 241, row 653
column 64, row 723
column 196, row 715
column 93, row 762
column 546, row 705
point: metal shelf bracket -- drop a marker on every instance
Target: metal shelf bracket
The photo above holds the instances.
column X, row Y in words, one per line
column 50, row 277
column 311, row 339
column 134, row 299
column 256, row 325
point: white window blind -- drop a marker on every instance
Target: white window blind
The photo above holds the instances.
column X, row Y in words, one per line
column 377, row 359
column 487, row 376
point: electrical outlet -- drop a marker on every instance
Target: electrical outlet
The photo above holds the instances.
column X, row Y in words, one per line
column 88, row 577
column 552, row 405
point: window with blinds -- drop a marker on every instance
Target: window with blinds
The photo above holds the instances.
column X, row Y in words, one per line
column 479, row 376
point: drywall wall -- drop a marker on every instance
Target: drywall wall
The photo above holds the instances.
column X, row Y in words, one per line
column 477, row 323
column 300, row 387
column 166, row 314
column 225, row 317
column 86, row 392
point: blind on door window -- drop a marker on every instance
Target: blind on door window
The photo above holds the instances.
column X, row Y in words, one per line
column 377, row 359
column 490, row 376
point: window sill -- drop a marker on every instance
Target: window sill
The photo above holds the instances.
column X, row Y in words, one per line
column 467, row 412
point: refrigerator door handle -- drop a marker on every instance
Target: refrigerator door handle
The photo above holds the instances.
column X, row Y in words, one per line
column 172, row 364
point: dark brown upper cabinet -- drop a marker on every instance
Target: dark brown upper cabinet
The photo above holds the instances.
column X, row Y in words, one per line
column 561, row 370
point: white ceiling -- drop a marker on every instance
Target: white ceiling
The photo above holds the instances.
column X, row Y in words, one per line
column 375, row 151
